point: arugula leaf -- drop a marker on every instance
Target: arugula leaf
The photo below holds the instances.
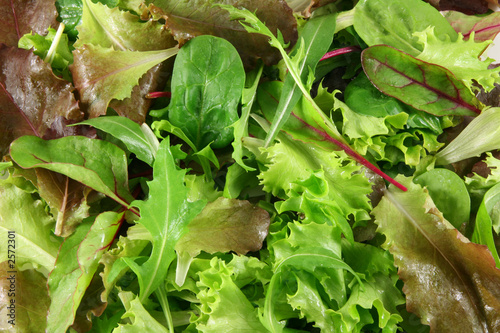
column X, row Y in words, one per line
column 314, row 41
column 393, row 22
column 166, row 214
column 20, row 19
column 424, row 86
column 457, row 274
column 207, row 83
column 98, row 164
column 22, row 213
column 77, row 263
column 102, row 74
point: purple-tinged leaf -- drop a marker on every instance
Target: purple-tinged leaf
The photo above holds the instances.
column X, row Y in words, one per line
column 425, row 86
column 449, row 282
column 465, row 6
column 21, row 17
column 187, row 19
column 102, row 74
column 483, row 27
column 31, row 96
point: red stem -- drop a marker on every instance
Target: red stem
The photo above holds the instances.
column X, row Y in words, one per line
column 343, row 50
column 157, row 94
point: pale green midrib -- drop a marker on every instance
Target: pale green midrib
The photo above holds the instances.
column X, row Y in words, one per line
column 41, row 252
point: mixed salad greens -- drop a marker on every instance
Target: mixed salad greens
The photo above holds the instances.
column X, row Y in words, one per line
column 249, row 166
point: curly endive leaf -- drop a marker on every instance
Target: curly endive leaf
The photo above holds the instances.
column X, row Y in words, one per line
column 102, row 74
column 450, row 283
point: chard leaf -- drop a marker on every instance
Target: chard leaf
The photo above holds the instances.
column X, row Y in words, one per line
column 314, row 41
column 31, row 300
column 480, row 28
column 121, row 30
column 166, row 214
column 468, row 143
column 140, row 319
column 102, row 74
column 26, row 216
column 19, row 19
column 394, row 22
column 424, row 86
column 187, row 19
column 139, row 140
column 461, row 57
column 75, row 267
column 487, row 220
column 441, row 269
column 98, row 164
column 31, row 96
column 207, row 84
column 226, row 225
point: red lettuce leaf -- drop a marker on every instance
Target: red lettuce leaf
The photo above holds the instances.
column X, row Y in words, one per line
column 187, row 19
column 465, row 6
column 450, row 283
column 22, row 17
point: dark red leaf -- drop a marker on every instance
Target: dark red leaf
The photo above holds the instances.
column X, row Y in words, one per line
column 20, row 17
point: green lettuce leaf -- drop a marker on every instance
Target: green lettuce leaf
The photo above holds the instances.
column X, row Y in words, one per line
column 26, row 215
column 31, row 300
column 75, row 267
column 166, row 214
column 139, row 318
column 440, row 268
column 461, row 57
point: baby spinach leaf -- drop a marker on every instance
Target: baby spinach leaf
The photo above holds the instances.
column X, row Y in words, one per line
column 102, row 74
column 139, row 140
column 425, row 86
column 207, row 84
column 70, row 13
column 187, row 19
column 440, row 268
column 393, row 22
column 166, row 214
column 487, row 220
column 75, row 267
column 98, row 164
column 449, row 194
